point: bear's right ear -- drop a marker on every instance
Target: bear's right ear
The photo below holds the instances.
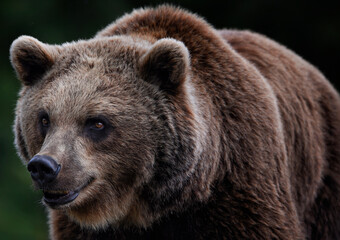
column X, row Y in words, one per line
column 30, row 58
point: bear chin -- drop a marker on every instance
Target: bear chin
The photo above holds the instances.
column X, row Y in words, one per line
column 92, row 210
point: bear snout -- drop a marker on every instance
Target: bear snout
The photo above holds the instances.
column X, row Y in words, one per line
column 43, row 169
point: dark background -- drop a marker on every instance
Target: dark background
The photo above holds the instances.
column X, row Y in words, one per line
column 310, row 28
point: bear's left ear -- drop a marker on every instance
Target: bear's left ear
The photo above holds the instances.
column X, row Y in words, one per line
column 166, row 64
column 30, row 58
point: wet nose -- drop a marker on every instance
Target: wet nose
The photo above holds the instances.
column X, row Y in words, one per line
column 43, row 169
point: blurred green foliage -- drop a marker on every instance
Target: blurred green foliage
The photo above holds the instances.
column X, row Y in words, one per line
column 310, row 28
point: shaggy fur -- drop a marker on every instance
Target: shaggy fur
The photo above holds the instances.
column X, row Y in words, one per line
column 209, row 134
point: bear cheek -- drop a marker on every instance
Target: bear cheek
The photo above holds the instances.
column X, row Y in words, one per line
column 117, row 169
column 31, row 137
column 120, row 172
column 20, row 141
column 108, row 156
column 127, row 167
column 108, row 198
column 27, row 124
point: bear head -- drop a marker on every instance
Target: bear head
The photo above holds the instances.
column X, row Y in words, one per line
column 108, row 127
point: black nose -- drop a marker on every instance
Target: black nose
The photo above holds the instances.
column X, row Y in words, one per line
column 43, row 169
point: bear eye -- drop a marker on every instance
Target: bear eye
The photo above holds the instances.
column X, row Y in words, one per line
column 98, row 125
column 45, row 122
column 97, row 128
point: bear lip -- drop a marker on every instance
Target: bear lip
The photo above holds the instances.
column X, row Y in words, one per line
column 62, row 197
column 53, row 198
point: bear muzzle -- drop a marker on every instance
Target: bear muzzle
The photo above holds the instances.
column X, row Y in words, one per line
column 44, row 171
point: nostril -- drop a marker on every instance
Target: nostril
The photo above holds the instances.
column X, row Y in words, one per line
column 43, row 169
column 47, row 169
column 31, row 168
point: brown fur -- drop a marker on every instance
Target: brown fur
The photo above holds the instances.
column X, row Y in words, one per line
column 213, row 134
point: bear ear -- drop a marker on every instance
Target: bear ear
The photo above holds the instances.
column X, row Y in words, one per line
column 30, row 58
column 166, row 64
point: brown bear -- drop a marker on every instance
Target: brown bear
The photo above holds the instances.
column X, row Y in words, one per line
column 162, row 127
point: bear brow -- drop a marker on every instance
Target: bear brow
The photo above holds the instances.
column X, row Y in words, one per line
column 117, row 114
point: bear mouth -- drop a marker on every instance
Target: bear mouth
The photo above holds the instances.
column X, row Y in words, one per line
column 57, row 198
column 61, row 197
